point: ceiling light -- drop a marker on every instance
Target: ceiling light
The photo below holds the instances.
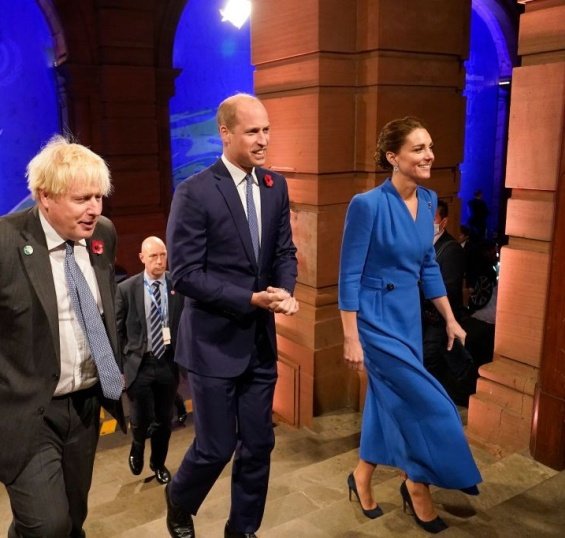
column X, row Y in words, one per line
column 236, row 12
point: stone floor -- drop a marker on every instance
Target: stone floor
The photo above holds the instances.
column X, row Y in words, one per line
column 308, row 494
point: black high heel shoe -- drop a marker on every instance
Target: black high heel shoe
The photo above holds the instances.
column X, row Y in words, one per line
column 371, row 514
column 434, row 526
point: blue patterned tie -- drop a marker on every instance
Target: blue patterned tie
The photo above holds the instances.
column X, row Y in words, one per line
column 252, row 215
column 89, row 318
column 156, row 322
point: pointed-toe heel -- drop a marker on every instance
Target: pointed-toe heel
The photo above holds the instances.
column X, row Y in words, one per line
column 371, row 514
column 434, row 526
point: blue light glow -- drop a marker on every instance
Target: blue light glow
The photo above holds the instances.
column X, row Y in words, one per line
column 215, row 59
column 486, row 115
column 29, row 112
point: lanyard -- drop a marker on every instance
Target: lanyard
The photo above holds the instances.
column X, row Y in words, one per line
column 164, row 306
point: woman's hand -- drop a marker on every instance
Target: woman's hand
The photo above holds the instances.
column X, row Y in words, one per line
column 353, row 353
column 454, row 330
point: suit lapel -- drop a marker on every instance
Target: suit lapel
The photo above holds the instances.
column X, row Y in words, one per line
column 228, row 190
column 267, row 208
column 102, row 262
column 170, row 294
column 139, row 300
column 35, row 260
column 102, row 271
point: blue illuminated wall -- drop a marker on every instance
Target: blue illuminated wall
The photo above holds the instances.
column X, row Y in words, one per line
column 215, row 59
column 486, row 116
column 28, row 95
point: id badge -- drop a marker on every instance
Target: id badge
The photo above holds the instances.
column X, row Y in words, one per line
column 166, row 335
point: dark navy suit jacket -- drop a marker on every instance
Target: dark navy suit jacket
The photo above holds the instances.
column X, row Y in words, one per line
column 212, row 263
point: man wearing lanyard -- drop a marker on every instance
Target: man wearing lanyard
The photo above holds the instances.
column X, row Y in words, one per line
column 148, row 313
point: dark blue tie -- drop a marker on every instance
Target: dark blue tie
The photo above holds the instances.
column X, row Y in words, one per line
column 252, row 215
column 88, row 316
column 156, row 322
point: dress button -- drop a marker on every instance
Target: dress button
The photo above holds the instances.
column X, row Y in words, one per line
column 41, row 410
column 390, row 286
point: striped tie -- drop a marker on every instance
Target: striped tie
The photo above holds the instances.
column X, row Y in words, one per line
column 252, row 215
column 88, row 316
column 156, row 322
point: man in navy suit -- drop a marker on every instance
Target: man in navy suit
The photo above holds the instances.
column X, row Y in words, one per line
column 232, row 256
column 150, row 373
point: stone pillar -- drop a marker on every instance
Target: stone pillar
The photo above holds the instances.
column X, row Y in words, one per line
column 529, row 327
column 119, row 80
column 303, row 51
column 331, row 73
column 542, row 37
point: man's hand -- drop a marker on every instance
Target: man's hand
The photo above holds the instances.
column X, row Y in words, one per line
column 288, row 306
column 269, row 298
column 276, row 300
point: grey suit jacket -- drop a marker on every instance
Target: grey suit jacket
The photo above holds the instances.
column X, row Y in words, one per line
column 30, row 360
column 132, row 323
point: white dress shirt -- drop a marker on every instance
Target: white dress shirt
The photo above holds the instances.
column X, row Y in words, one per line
column 238, row 176
column 78, row 370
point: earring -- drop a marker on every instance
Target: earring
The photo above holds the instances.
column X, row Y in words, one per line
column 395, row 169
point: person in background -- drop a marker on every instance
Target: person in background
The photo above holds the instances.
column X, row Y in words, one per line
column 450, row 258
column 478, row 216
column 453, row 368
column 59, row 354
column 233, row 258
column 148, row 313
column 463, row 235
column 387, row 255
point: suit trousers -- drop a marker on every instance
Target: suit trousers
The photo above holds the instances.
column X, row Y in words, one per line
column 152, row 396
column 49, row 497
column 231, row 415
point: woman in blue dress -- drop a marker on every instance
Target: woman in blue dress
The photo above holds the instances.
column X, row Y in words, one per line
column 387, row 256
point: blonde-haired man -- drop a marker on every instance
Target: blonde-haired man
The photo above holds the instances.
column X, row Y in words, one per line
column 59, row 345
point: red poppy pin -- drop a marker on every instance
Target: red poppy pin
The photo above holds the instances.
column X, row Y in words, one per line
column 268, row 180
column 97, row 246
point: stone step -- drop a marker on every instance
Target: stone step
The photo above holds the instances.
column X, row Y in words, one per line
column 301, row 463
column 314, row 500
column 337, row 517
column 507, row 398
column 307, row 494
column 512, row 374
column 537, row 512
column 491, row 423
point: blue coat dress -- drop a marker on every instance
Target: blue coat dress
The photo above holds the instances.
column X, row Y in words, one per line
column 409, row 421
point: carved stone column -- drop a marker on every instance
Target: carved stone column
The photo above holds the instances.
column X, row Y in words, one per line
column 118, row 79
column 331, row 73
column 527, row 377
